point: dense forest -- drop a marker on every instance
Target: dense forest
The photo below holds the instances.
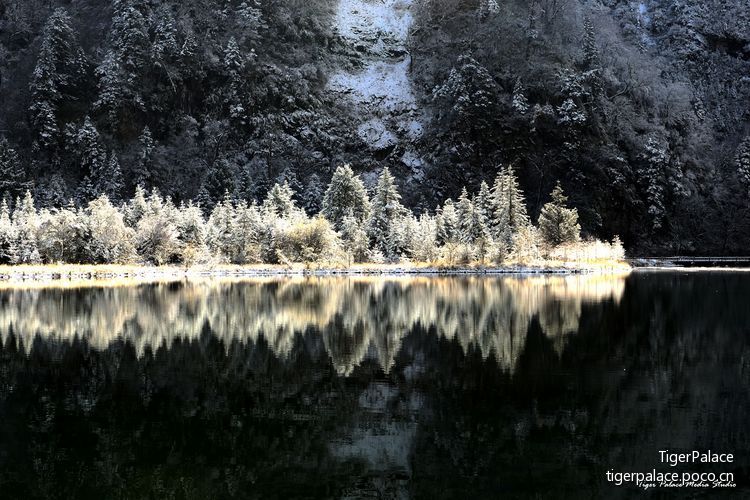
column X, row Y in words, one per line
column 638, row 109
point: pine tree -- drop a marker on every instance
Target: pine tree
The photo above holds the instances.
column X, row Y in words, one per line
column 110, row 182
column 312, row 195
column 93, row 159
column 355, row 239
column 7, row 236
column 234, row 65
column 742, row 161
column 557, row 223
column 109, row 240
column 449, row 227
column 654, row 177
column 510, row 207
column 191, row 234
column 13, row 181
column 280, row 202
column 345, row 194
column 248, row 230
column 25, row 222
column 465, row 211
column 387, row 211
column 485, row 204
column 60, row 68
column 123, row 69
column 289, row 177
column 590, row 47
column 144, row 165
column 519, row 101
column 221, row 229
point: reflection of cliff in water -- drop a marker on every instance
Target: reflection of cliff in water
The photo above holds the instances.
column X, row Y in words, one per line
column 358, row 317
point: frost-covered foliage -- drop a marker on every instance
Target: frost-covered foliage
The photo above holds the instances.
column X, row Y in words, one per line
column 487, row 227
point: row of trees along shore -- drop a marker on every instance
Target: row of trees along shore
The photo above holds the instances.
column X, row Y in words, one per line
column 354, row 226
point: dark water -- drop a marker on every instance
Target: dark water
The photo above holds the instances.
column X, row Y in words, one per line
column 373, row 388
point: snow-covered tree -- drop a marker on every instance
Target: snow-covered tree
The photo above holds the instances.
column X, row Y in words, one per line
column 387, row 211
column 157, row 237
column 289, row 177
column 470, row 94
column 93, row 158
column 280, row 202
column 63, row 235
column 145, row 162
column 26, row 223
column 312, row 195
column 519, row 102
column 248, row 228
column 590, row 47
column 7, row 235
column 191, row 234
column 346, row 195
column 558, row 224
column 109, row 239
column 60, row 68
column 654, row 177
column 465, row 211
column 13, row 181
column 121, row 73
column 222, row 237
column 510, row 207
column 354, row 238
column 422, row 243
column 448, row 224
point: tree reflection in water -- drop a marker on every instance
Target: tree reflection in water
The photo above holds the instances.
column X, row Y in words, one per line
column 349, row 387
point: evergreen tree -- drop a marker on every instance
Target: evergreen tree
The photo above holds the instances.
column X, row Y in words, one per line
column 25, row 222
column 345, row 195
column 590, row 47
column 289, row 177
column 191, row 234
column 510, row 207
column 234, row 65
column 465, row 211
column 93, row 159
column 110, row 182
column 60, row 69
column 557, row 223
column 519, row 101
column 387, row 212
column 654, row 176
column 109, row 239
column 121, row 74
column 144, row 166
column 221, row 229
column 280, row 202
column 485, row 204
column 7, row 236
column 449, row 226
column 312, row 196
column 355, row 239
column 13, row 181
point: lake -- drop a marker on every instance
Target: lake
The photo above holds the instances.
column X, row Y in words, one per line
column 415, row 387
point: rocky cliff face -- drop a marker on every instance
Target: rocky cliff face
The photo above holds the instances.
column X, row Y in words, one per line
column 378, row 86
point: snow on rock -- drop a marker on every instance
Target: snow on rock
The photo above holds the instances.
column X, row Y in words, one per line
column 357, row 19
column 381, row 91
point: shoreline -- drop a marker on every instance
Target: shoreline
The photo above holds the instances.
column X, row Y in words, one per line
column 82, row 273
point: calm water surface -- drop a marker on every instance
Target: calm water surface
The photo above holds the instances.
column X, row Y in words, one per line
column 373, row 388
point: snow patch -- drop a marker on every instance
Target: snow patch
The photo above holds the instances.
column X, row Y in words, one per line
column 381, row 91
